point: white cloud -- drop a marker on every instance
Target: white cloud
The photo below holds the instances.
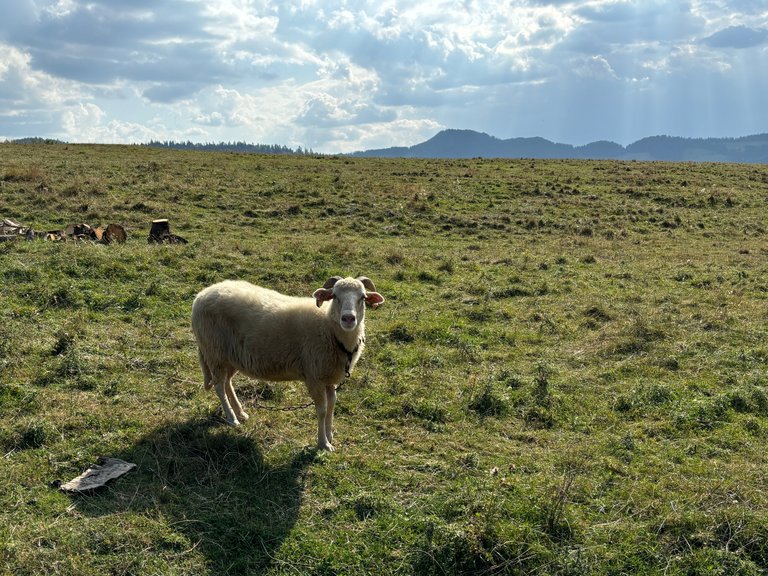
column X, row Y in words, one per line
column 375, row 135
column 31, row 98
column 212, row 119
column 82, row 120
column 739, row 37
column 61, row 7
column 245, row 110
column 238, row 21
column 596, row 67
column 689, row 59
column 325, row 110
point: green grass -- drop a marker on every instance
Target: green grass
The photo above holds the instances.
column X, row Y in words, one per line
column 570, row 374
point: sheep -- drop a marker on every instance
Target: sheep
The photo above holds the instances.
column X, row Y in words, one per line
column 264, row 334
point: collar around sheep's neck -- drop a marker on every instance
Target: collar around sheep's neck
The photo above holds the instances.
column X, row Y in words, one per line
column 349, row 354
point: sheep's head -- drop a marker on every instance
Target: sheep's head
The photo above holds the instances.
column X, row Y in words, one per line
column 348, row 297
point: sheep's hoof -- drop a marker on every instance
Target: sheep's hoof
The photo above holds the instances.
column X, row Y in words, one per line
column 328, row 447
column 243, row 416
column 233, row 422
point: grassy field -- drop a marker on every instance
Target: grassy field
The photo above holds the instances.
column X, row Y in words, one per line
column 570, row 374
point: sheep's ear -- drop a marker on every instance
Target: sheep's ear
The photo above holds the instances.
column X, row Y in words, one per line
column 368, row 283
column 374, row 299
column 331, row 282
column 322, row 295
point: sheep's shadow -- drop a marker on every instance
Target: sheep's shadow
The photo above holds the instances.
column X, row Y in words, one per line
column 213, row 486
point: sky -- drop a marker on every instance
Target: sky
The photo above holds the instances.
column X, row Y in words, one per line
column 344, row 76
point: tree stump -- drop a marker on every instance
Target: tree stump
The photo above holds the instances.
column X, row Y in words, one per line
column 159, row 231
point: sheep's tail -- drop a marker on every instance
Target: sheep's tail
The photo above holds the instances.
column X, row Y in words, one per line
column 207, row 379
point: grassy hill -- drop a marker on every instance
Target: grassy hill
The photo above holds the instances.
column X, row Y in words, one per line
column 570, row 374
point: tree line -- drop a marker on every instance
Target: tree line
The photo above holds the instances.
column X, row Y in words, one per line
column 189, row 145
column 231, row 147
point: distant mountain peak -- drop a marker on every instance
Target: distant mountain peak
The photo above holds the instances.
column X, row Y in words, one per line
column 461, row 143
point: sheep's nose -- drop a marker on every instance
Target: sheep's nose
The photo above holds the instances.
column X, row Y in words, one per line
column 348, row 318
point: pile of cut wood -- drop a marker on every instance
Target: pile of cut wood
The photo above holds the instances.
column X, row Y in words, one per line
column 114, row 233
column 10, row 230
column 159, row 233
column 84, row 232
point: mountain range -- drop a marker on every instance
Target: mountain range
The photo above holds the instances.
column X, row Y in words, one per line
column 471, row 144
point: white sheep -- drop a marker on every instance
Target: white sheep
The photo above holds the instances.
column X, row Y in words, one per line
column 264, row 334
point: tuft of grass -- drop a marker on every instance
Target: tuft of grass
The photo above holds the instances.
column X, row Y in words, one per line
column 488, row 401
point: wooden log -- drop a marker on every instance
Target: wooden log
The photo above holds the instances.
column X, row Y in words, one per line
column 114, row 233
column 173, row 239
column 8, row 228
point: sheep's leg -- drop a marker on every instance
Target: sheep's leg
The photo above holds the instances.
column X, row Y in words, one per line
column 204, row 368
column 222, row 383
column 318, row 394
column 330, row 396
column 234, row 401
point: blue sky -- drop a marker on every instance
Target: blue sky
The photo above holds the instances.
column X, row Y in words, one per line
column 346, row 76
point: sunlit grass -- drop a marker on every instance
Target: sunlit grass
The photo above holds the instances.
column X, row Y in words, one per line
column 569, row 376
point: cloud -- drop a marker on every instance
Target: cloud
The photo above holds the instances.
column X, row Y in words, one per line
column 737, row 37
column 240, row 109
column 103, row 41
column 212, row 119
column 325, row 110
column 89, row 123
column 403, row 131
column 29, row 97
column 596, row 67
column 167, row 93
column 633, row 23
column 83, row 119
column 33, row 102
column 350, row 74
